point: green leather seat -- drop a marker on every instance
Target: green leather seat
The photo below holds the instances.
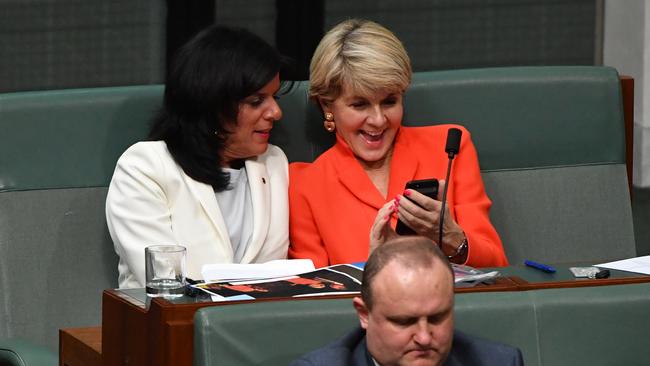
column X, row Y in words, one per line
column 57, row 154
column 600, row 325
column 551, row 146
column 268, row 333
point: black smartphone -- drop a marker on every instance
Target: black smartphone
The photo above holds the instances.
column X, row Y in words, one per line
column 429, row 188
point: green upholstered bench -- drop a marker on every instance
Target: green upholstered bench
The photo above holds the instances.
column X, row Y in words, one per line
column 601, row 325
column 57, row 154
column 551, row 146
column 550, row 142
column 268, row 333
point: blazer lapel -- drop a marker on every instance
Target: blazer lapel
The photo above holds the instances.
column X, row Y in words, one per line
column 354, row 178
column 258, row 181
column 403, row 167
column 206, row 196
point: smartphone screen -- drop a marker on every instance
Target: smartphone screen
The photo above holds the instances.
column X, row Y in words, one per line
column 429, row 188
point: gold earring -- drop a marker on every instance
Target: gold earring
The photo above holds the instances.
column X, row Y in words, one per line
column 329, row 124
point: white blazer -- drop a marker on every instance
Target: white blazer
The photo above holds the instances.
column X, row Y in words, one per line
column 152, row 201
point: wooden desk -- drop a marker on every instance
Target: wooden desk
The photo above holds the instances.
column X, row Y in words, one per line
column 80, row 346
column 131, row 332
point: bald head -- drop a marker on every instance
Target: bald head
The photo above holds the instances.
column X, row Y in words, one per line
column 413, row 252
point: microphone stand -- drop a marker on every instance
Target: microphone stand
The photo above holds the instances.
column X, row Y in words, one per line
column 452, row 148
column 444, row 200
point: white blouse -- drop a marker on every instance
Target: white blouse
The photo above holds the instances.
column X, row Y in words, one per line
column 237, row 210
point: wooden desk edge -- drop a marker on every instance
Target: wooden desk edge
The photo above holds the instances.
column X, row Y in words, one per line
column 524, row 285
column 80, row 346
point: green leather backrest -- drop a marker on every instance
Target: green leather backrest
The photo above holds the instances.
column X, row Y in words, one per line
column 70, row 138
column 519, row 117
column 506, row 317
column 527, row 117
column 551, row 146
column 605, row 325
column 268, row 333
column 599, row 325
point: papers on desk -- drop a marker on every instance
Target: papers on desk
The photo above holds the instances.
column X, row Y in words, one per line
column 277, row 268
column 636, row 265
column 297, row 278
column 467, row 274
column 342, row 279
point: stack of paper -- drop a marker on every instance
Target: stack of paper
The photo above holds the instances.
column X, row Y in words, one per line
column 637, row 265
column 239, row 272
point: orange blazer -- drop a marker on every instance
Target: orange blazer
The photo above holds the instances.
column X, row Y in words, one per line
column 333, row 202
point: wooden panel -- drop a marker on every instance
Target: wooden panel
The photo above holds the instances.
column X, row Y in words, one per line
column 80, row 346
column 627, row 91
column 124, row 330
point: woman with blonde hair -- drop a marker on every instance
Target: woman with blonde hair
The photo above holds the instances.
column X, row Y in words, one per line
column 355, row 190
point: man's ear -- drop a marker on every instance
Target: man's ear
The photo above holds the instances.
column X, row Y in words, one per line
column 362, row 311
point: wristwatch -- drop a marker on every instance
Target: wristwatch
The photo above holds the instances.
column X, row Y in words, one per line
column 461, row 251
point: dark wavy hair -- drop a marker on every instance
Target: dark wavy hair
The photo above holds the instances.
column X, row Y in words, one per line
column 209, row 76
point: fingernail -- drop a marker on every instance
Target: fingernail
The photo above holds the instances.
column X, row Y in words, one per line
column 407, row 193
column 386, row 217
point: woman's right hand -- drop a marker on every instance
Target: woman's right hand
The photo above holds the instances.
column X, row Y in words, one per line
column 381, row 231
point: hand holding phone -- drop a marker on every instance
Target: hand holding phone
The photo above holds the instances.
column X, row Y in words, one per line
column 429, row 188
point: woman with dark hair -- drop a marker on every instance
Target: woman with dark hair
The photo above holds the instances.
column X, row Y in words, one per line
column 207, row 178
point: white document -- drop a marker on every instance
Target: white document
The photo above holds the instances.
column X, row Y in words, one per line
column 234, row 271
column 637, row 265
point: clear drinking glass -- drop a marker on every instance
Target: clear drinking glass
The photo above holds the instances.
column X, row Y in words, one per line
column 165, row 270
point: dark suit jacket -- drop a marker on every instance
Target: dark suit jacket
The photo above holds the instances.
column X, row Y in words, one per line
column 466, row 350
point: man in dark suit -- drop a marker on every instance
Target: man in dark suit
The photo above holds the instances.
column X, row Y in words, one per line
column 406, row 315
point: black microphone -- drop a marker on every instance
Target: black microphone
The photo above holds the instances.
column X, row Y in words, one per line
column 453, row 142
column 451, row 148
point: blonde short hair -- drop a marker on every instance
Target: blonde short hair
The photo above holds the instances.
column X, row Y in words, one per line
column 361, row 56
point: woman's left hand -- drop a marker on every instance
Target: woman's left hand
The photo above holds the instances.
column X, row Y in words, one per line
column 425, row 218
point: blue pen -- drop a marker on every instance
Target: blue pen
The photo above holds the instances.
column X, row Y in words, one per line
column 542, row 267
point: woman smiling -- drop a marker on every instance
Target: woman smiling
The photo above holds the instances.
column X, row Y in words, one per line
column 350, row 198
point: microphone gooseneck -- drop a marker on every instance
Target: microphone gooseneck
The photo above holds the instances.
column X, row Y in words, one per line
column 451, row 148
